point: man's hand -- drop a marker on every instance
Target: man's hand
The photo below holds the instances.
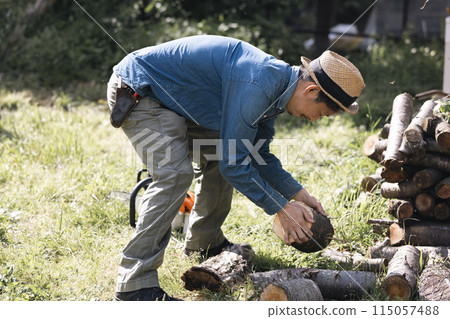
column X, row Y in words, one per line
column 311, row 201
column 293, row 219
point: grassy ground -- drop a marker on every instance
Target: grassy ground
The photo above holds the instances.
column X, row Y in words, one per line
column 61, row 235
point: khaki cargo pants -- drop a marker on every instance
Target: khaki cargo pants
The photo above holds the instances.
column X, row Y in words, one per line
column 163, row 140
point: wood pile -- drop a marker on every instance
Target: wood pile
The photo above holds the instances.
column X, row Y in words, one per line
column 414, row 154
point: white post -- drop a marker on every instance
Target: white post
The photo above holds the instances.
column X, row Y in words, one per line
column 446, row 85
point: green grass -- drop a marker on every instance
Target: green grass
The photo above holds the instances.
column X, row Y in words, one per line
column 61, row 235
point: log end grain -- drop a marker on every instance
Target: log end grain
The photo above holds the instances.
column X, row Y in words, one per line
column 397, row 288
column 197, row 278
column 294, row 290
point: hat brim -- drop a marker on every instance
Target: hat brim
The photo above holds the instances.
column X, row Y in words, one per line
column 352, row 109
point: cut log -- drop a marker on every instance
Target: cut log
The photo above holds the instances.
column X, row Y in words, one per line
column 228, row 268
column 374, row 250
column 389, row 251
column 405, row 189
column 438, row 161
column 322, row 230
column 431, row 146
column 372, row 182
column 398, row 175
column 413, row 135
column 425, row 203
column 442, row 211
column 373, row 148
column 355, row 260
column 428, row 177
column 333, row 284
column 401, row 117
column 400, row 209
column 402, row 273
column 443, row 188
column 434, row 282
column 436, row 126
column 420, row 233
column 385, row 131
column 300, row 289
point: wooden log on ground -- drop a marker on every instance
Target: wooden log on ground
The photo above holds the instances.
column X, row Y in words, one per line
column 443, row 188
column 434, row 282
column 333, row 284
column 442, row 211
column 228, row 268
column 436, row 126
column 322, row 230
column 428, row 177
column 401, row 117
column 373, row 250
column 373, row 148
column 300, row 289
column 400, row 209
column 355, row 260
column 372, row 182
column 420, row 233
column 438, row 161
column 413, row 135
column 403, row 270
column 385, row 131
column 405, row 189
column 425, row 203
column 388, row 252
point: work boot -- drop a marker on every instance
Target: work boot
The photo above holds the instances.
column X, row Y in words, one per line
column 145, row 294
column 210, row 252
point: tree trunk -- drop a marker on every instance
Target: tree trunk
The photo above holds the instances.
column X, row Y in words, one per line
column 425, row 203
column 413, row 135
column 443, row 188
column 420, row 233
column 438, row 161
column 434, row 282
column 428, row 177
column 405, row 189
column 333, row 284
column 442, row 211
column 401, row 117
column 322, row 230
column 400, row 209
column 373, row 148
column 228, row 268
column 401, row 277
column 436, row 126
column 300, row 289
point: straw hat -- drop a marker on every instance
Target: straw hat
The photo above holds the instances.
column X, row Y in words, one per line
column 338, row 78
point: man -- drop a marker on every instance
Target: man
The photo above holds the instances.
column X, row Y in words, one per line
column 210, row 95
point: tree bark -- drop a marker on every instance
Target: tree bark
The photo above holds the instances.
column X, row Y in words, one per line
column 434, row 282
column 413, row 135
column 428, row 177
column 389, row 251
column 373, row 148
column 438, row 161
column 398, row 175
column 401, row 277
column 322, row 230
column 400, row 209
column 425, row 203
column 385, row 131
column 371, row 183
column 401, row 117
column 228, row 268
column 333, row 284
column 405, row 189
column 431, row 146
column 300, row 289
column 443, row 188
column 420, row 233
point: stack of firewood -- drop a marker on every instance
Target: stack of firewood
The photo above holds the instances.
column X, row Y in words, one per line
column 414, row 154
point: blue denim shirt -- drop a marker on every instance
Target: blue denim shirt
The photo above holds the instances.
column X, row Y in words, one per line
column 227, row 85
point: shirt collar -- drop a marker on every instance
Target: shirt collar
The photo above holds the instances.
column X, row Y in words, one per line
column 287, row 94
